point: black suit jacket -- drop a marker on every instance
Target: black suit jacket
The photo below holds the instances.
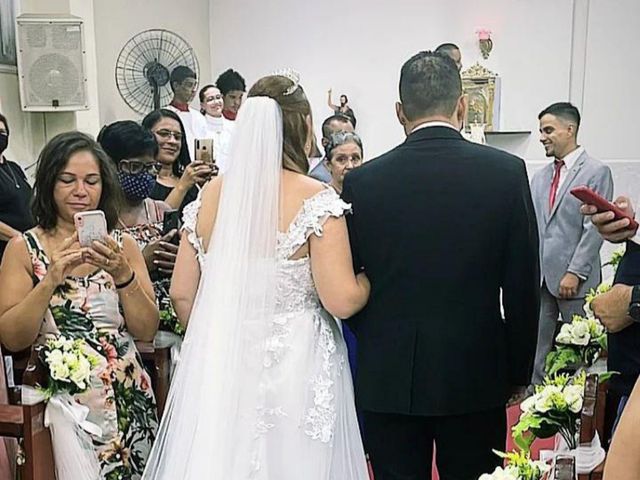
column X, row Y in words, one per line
column 624, row 346
column 441, row 225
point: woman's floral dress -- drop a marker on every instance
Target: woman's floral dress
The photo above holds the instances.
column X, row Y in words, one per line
column 143, row 235
column 120, row 398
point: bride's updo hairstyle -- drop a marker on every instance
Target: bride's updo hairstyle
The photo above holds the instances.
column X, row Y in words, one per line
column 295, row 109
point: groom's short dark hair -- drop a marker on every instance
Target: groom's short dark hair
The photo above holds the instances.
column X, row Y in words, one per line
column 430, row 85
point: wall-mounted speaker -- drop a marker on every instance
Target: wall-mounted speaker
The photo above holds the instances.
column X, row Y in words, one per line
column 51, row 63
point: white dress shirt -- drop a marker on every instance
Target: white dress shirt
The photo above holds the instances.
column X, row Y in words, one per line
column 434, row 124
column 569, row 161
column 220, row 129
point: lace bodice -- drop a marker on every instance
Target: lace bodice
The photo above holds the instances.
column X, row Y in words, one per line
column 295, row 287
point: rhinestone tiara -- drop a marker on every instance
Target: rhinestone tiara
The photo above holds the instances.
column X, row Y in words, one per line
column 291, row 75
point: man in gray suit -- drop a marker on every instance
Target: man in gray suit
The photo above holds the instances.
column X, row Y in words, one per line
column 569, row 243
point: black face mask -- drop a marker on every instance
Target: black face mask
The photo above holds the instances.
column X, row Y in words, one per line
column 4, row 142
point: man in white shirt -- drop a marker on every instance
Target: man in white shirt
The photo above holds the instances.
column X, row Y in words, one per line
column 569, row 242
column 184, row 84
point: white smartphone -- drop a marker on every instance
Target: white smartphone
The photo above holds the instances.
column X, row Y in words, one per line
column 204, row 150
column 90, row 225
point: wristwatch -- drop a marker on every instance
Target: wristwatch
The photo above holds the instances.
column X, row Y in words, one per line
column 634, row 305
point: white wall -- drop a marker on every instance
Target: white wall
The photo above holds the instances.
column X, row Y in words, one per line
column 540, row 50
column 27, row 129
column 545, row 51
column 358, row 47
column 116, row 21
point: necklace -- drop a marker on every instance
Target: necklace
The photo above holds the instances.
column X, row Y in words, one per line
column 11, row 178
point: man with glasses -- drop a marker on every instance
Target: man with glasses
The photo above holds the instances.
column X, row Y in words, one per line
column 184, row 84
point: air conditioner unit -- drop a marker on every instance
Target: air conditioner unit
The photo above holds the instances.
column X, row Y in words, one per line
column 51, row 63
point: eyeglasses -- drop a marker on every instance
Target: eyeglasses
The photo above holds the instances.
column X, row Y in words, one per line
column 343, row 159
column 135, row 167
column 165, row 134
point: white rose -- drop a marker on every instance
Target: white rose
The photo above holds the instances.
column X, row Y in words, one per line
column 59, row 371
column 564, row 336
column 580, row 334
column 70, row 360
column 573, row 395
column 80, row 375
column 595, row 327
column 544, row 402
column 528, row 403
column 54, row 356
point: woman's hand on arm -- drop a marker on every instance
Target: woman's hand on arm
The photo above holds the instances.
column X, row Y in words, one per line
column 342, row 293
column 160, row 254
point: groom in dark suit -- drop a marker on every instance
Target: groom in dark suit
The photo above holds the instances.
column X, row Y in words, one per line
column 445, row 229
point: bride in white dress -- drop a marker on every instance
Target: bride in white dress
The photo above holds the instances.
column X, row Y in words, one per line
column 263, row 389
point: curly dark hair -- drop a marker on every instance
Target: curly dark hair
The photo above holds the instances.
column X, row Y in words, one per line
column 53, row 159
column 230, row 80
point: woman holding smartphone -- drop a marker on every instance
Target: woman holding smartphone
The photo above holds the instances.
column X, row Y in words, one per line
column 132, row 149
column 178, row 179
column 50, row 285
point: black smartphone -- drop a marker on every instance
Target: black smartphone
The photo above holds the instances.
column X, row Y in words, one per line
column 172, row 221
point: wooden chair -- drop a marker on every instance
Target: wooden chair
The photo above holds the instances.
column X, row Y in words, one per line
column 592, row 419
column 26, row 424
column 157, row 361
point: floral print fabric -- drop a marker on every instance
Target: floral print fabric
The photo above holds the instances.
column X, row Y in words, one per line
column 120, row 398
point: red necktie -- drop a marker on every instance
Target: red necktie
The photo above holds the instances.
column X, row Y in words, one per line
column 555, row 182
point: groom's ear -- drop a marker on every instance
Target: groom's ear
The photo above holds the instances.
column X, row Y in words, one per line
column 400, row 114
column 461, row 110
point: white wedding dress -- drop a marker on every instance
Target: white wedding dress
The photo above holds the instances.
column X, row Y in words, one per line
column 271, row 399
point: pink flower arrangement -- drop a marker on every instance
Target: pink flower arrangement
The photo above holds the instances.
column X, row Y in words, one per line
column 483, row 33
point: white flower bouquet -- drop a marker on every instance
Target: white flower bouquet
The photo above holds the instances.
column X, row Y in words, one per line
column 578, row 344
column 554, row 408
column 604, row 287
column 519, row 466
column 68, row 365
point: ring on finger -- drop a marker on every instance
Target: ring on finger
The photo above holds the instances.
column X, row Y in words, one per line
column 107, row 262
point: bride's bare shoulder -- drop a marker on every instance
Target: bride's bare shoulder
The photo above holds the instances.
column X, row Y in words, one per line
column 211, row 192
column 301, row 185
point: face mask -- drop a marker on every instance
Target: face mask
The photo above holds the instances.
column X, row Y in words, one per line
column 4, row 141
column 136, row 187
